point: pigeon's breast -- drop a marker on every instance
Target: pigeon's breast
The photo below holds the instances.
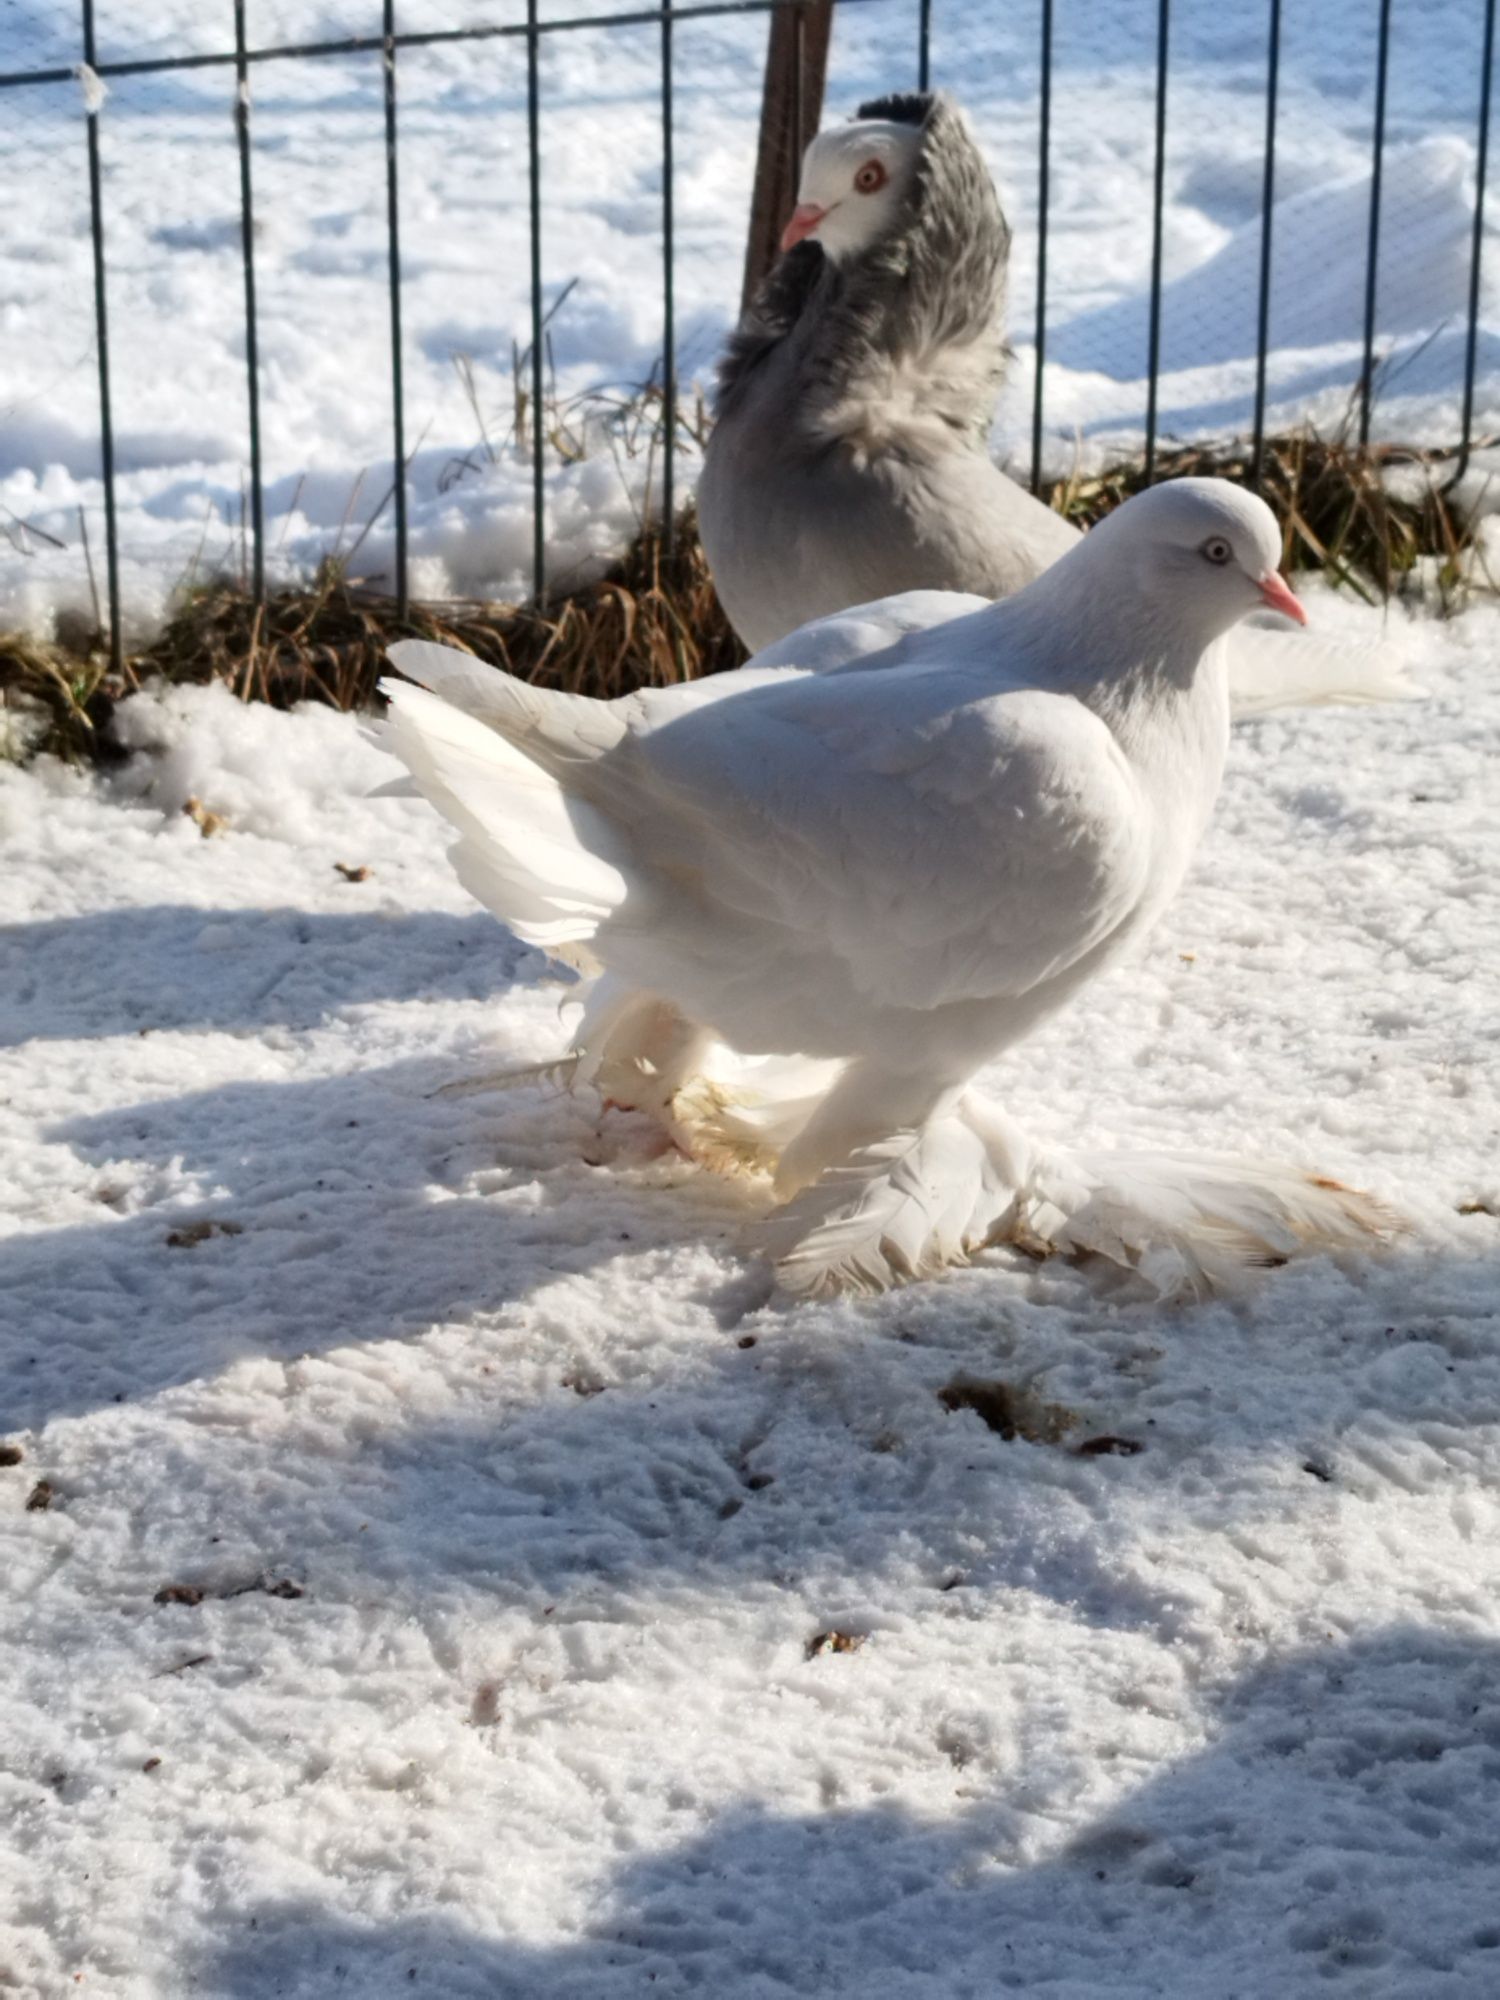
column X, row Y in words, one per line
column 795, row 532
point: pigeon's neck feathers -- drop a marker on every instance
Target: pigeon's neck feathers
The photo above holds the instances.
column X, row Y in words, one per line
column 1154, row 675
column 1092, row 630
column 909, row 334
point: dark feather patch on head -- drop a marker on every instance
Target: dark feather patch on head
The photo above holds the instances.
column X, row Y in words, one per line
column 910, row 107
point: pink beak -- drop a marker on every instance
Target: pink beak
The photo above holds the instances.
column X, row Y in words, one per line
column 805, row 218
column 1276, row 594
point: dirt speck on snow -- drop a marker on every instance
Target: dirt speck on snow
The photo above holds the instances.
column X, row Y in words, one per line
column 1008, row 1410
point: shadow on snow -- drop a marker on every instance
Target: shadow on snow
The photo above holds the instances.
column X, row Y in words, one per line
column 1340, row 1832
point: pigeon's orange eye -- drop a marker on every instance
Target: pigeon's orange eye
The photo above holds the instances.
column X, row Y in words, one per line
column 872, row 175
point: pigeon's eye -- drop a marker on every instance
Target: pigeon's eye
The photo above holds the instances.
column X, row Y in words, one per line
column 871, row 176
column 1216, row 550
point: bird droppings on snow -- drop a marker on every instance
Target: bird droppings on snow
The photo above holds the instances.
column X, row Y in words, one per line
column 1204, row 1658
column 484, row 1711
column 1108, row 1445
column 192, row 1593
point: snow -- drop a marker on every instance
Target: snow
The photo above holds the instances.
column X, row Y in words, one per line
column 176, row 286
column 498, row 1507
column 568, row 1501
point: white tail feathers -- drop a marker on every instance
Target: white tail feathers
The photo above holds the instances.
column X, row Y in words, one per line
column 553, row 728
column 548, row 864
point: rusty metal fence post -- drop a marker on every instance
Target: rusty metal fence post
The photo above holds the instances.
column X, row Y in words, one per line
column 796, row 69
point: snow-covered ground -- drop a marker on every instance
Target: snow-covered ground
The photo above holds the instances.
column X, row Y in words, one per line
column 517, row 1512
column 175, row 284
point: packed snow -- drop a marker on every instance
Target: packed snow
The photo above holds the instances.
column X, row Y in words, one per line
column 171, row 182
column 435, row 1565
column 436, row 1562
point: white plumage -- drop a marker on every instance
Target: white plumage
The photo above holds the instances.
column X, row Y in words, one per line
column 875, row 857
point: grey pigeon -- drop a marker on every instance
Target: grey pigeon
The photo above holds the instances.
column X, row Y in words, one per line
column 849, row 457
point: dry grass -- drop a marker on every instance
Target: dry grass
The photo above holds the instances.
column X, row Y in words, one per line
column 655, row 619
column 651, row 620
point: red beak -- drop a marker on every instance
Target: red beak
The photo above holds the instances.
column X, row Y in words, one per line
column 1276, row 594
column 805, row 218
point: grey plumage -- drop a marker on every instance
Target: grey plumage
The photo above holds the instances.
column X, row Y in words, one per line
column 937, row 282
column 849, row 458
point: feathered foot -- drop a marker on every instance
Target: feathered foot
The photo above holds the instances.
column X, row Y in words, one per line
column 906, row 1205
column 1193, row 1226
column 900, row 1208
column 738, row 1115
column 883, row 1183
column 1189, row 1224
column 637, row 1052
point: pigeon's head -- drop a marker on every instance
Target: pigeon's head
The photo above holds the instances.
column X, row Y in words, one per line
column 1205, row 546
column 855, row 180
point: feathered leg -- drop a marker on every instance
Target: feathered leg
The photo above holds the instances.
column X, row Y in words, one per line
column 636, row 1049
column 895, row 1176
column 729, row 1112
column 885, row 1182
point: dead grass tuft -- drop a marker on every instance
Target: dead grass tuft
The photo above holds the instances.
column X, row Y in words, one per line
column 653, row 619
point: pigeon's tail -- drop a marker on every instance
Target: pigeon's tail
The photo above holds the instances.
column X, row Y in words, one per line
column 1275, row 669
column 492, row 754
column 1192, row 1225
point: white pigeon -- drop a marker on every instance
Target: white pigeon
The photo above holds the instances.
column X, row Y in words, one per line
column 877, row 858
column 849, row 457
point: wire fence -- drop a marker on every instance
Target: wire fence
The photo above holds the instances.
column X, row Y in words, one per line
column 918, row 48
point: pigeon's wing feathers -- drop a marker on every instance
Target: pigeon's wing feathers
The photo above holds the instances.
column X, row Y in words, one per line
column 946, row 837
column 866, row 636
column 972, row 845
